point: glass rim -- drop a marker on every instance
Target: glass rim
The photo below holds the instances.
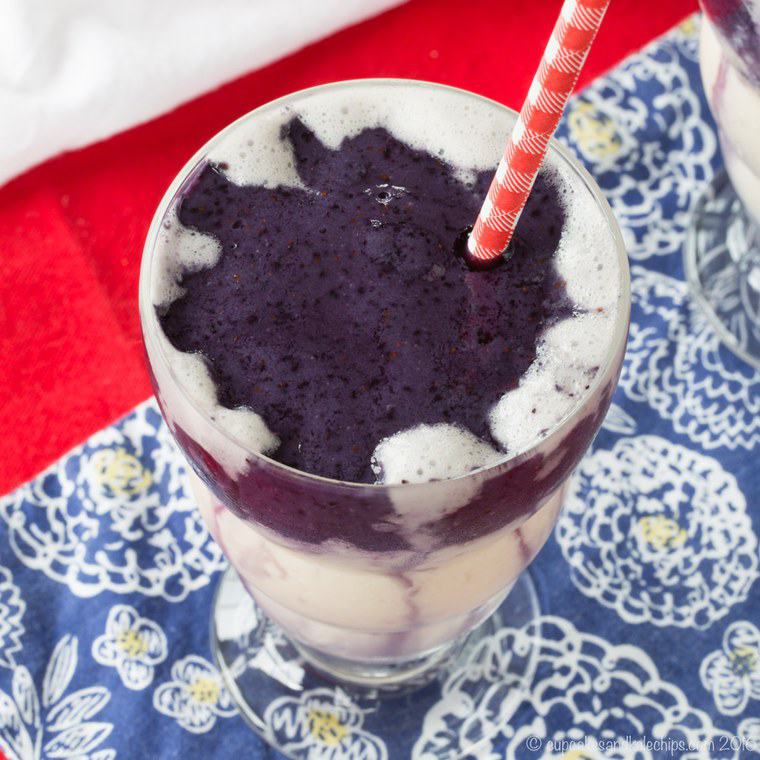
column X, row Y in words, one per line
column 149, row 320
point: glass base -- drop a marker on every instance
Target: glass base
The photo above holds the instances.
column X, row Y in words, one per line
column 309, row 705
column 401, row 675
column 722, row 264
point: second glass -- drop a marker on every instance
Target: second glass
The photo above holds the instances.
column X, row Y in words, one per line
column 723, row 249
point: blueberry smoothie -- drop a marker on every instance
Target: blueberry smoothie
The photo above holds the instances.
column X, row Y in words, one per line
column 379, row 435
column 343, row 300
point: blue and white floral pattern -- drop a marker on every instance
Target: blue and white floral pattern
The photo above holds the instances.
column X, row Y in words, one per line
column 658, row 533
column 79, row 521
column 132, row 644
column 196, row 695
column 54, row 722
column 12, row 608
column 732, row 673
column 749, row 734
column 651, row 184
column 583, row 688
column 676, row 364
column 324, row 724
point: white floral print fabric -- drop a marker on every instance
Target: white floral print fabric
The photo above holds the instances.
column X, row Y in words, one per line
column 195, row 696
column 78, row 521
column 12, row 608
column 602, row 691
column 49, row 719
column 320, row 727
column 658, row 533
column 732, row 673
column 132, row 644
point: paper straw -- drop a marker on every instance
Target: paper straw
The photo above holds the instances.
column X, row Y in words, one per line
column 552, row 85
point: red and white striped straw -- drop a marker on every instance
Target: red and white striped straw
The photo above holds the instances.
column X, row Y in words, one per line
column 561, row 64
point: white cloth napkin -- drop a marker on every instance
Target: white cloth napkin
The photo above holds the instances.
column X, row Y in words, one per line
column 76, row 71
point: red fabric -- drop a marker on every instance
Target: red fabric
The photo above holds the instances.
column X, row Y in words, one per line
column 71, row 230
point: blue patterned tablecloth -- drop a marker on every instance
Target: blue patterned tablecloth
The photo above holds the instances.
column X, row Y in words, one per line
column 649, row 592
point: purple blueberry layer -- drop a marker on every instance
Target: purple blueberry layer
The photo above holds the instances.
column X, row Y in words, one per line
column 340, row 311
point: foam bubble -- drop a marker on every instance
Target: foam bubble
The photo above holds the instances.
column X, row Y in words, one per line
column 585, row 256
column 191, row 251
column 185, row 251
column 431, row 452
column 243, row 424
column 556, row 382
column 422, row 454
column 257, row 155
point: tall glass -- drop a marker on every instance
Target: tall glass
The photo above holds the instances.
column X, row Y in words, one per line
column 723, row 249
column 327, row 561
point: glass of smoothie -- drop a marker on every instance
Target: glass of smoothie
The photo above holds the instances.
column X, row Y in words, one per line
column 723, row 249
column 379, row 437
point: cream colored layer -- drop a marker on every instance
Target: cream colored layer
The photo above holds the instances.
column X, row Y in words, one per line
column 306, row 588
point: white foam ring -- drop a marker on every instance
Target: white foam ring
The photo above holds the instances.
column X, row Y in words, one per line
column 422, row 454
column 469, row 134
column 569, row 352
column 255, row 154
column 243, row 424
column 191, row 252
column 431, row 452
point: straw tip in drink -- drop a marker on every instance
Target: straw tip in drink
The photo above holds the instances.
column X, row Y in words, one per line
column 477, row 263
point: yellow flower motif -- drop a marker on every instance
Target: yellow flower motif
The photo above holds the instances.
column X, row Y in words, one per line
column 326, row 727
column 120, row 473
column 131, row 642
column 662, row 532
column 732, row 673
column 322, row 723
column 195, row 696
column 743, row 660
column 689, row 25
column 205, row 691
column 594, row 132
